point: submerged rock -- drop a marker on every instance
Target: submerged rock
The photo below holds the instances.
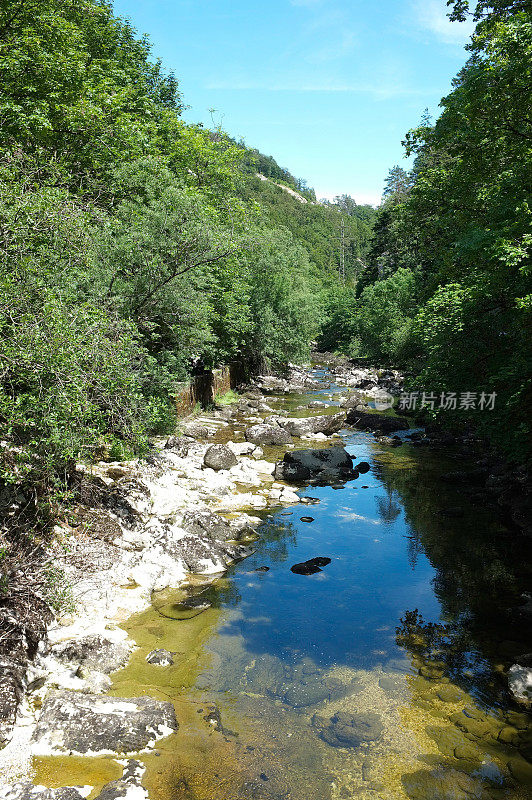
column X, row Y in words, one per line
column 349, row 730
column 218, row 456
column 311, row 566
column 325, row 465
column 72, row 722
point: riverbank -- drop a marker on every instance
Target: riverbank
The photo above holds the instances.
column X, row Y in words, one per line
column 159, row 520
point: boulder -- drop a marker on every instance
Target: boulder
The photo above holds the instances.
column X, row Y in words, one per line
column 72, row 722
column 325, row 465
column 349, row 730
column 324, row 423
column 11, row 692
column 267, row 434
column 376, row 422
column 218, row 456
column 93, row 653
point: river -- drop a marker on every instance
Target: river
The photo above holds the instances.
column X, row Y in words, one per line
column 374, row 678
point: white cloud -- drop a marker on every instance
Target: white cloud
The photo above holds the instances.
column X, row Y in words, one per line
column 431, row 15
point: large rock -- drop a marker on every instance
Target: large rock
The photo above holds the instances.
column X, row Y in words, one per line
column 267, row 434
column 376, row 422
column 208, row 542
column 218, row 456
column 299, row 466
column 72, row 722
column 303, row 426
column 94, row 653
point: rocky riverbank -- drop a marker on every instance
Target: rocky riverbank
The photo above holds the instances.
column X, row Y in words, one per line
column 190, row 508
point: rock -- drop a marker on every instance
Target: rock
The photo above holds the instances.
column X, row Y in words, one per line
column 196, row 430
column 349, row 730
column 267, row 434
column 311, row 566
column 161, row 658
column 208, row 543
column 72, row 722
column 355, row 400
column 299, row 466
column 218, row 456
column 310, row 501
column 520, row 680
column 325, row 423
column 262, row 569
column 11, row 692
column 307, row 519
column 94, row 653
column 28, row 791
column 362, row 467
column 389, row 441
column 180, row 445
column 317, row 404
column 129, row 786
column 376, row 422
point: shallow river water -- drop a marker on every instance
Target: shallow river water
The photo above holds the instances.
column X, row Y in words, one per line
column 377, row 677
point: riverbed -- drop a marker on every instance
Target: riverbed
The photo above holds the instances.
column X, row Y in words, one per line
column 376, row 677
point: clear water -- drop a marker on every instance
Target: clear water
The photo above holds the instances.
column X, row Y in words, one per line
column 402, row 632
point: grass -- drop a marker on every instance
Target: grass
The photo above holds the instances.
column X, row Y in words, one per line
column 226, row 399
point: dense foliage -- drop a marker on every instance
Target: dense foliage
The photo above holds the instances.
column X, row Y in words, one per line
column 133, row 244
column 448, row 287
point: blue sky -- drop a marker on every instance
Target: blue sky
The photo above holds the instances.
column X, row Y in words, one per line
column 328, row 87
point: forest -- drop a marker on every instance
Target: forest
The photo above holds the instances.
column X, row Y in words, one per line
column 135, row 244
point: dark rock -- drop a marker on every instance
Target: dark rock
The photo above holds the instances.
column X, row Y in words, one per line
column 363, row 467
column 349, row 730
column 328, row 464
column 94, row 653
column 218, row 456
column 376, row 422
column 267, row 434
column 161, row 658
column 85, row 723
column 311, row 566
column 262, row 569
column 307, row 519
